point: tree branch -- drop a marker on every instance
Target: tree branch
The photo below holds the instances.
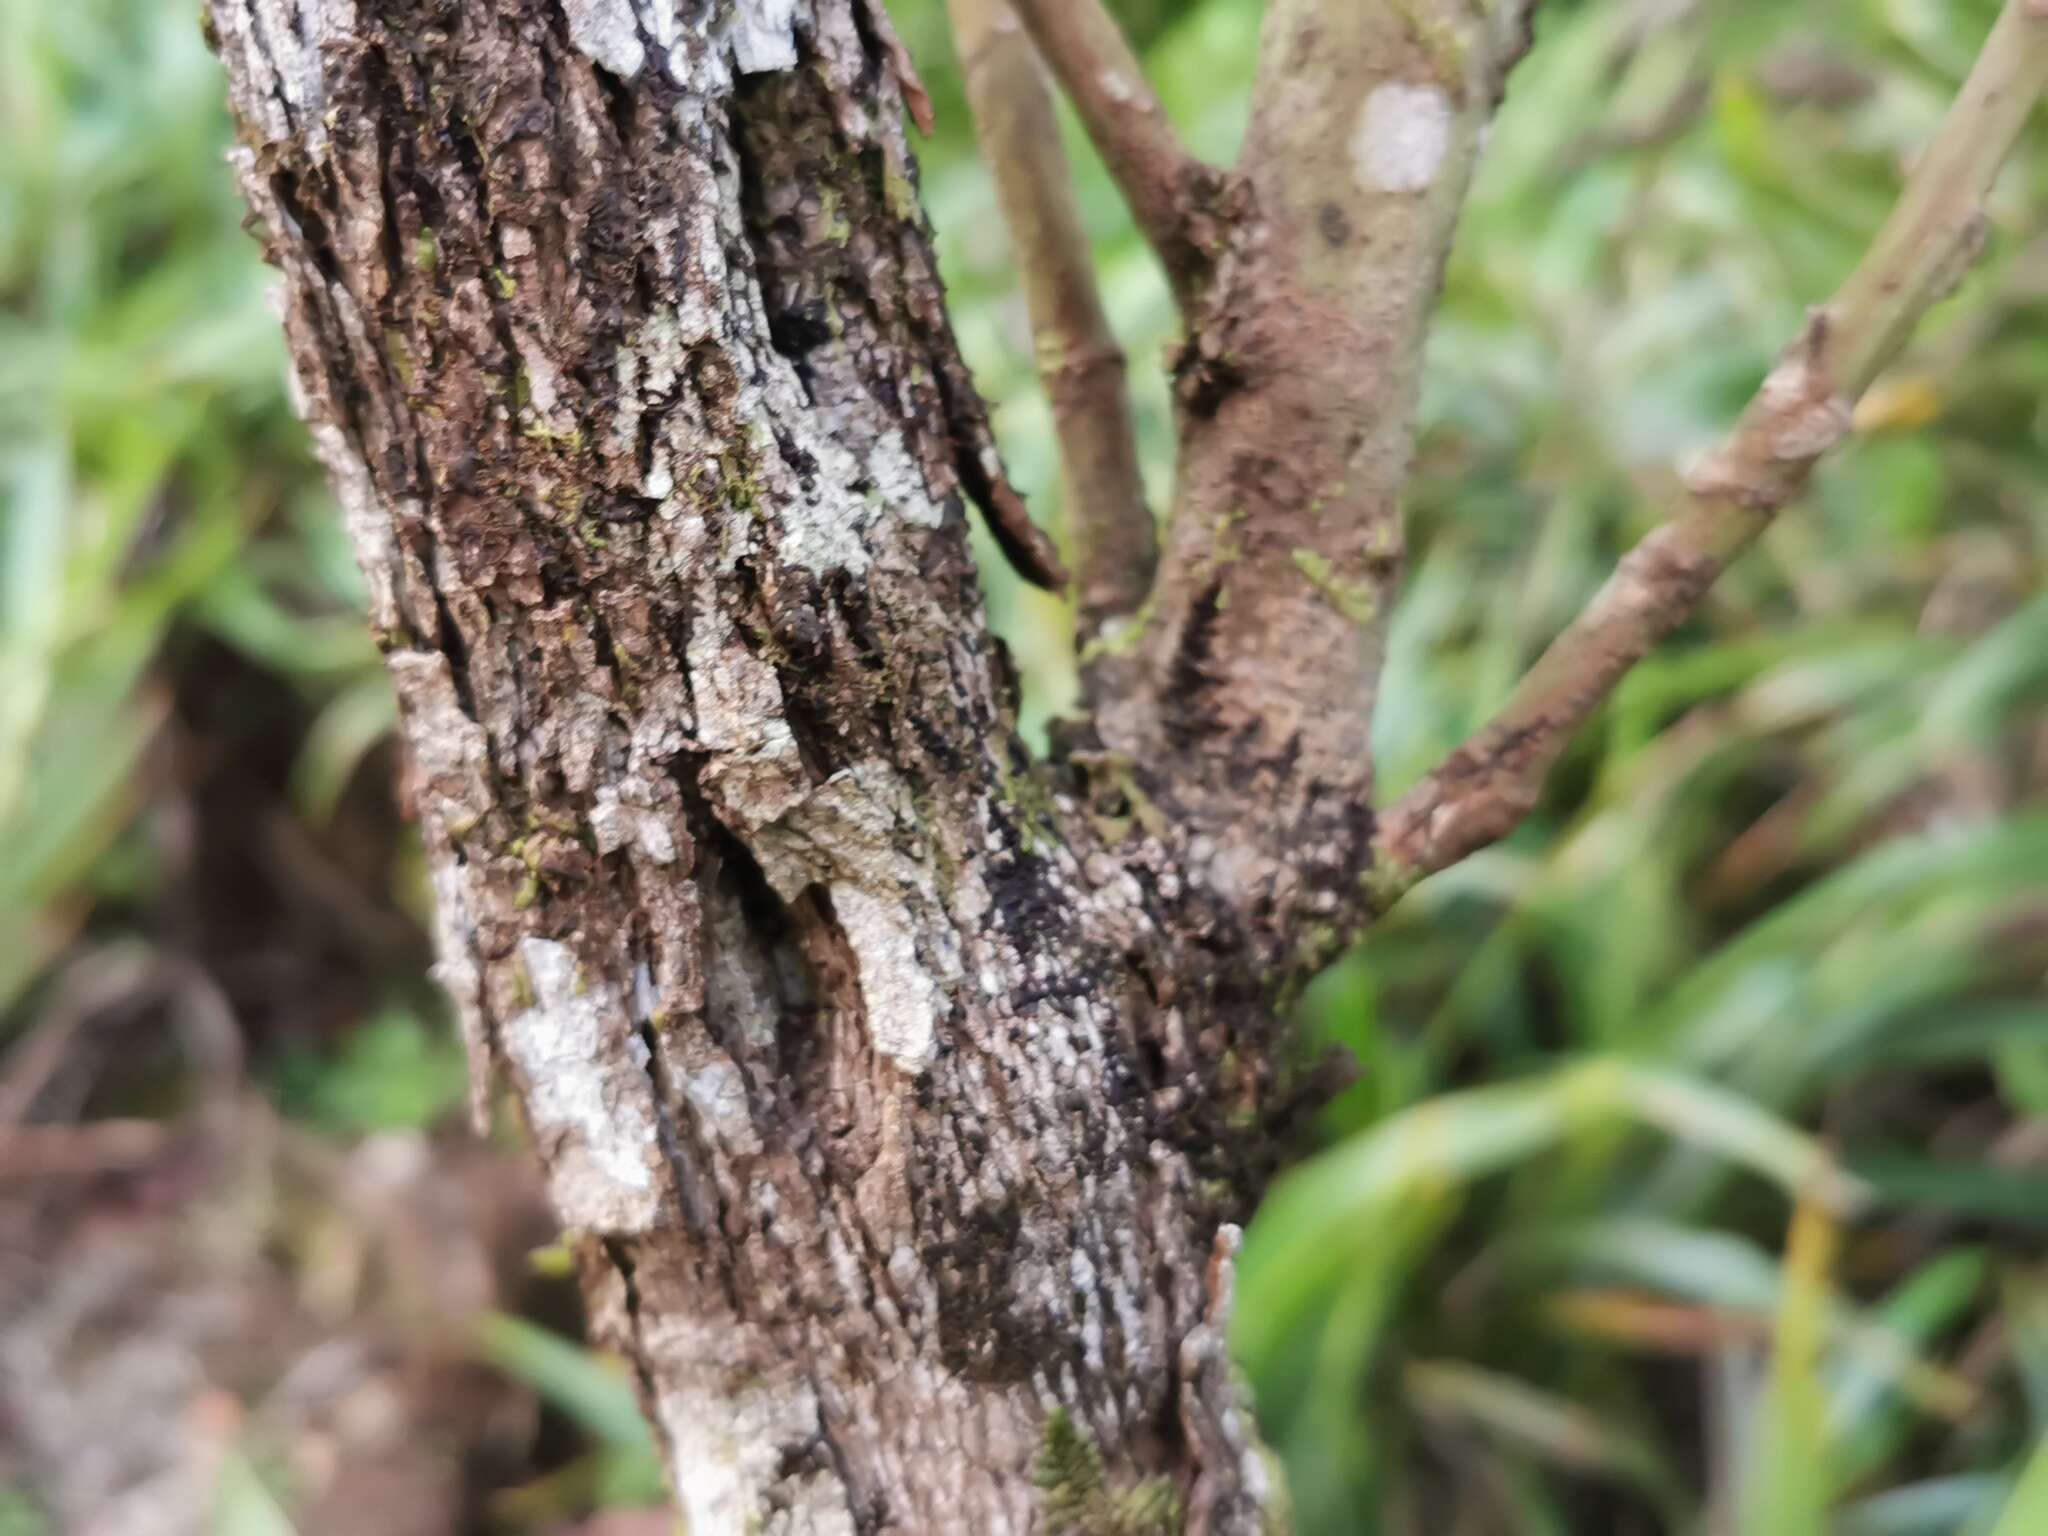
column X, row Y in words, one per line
column 1484, row 788
column 1254, row 674
column 1079, row 360
column 1171, row 193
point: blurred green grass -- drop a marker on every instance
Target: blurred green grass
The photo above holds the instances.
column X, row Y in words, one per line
column 1693, row 1179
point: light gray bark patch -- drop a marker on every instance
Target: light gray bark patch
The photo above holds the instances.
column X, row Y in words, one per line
column 761, row 35
column 850, row 836
column 622, row 817
column 587, row 1095
column 456, row 970
column 897, row 993
column 758, row 35
column 727, row 1425
column 280, row 43
column 450, row 753
column 608, row 32
column 1403, row 136
column 755, row 774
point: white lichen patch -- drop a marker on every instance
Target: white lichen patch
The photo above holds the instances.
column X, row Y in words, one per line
column 726, row 1426
column 661, row 351
column 621, row 816
column 820, row 530
column 756, row 773
column 823, row 535
column 899, row 481
column 588, row 1097
column 718, row 1094
column 1403, row 137
column 543, row 382
column 450, row 752
column 280, row 46
column 762, row 35
column 898, row 993
column 647, row 368
column 458, row 974
column 666, row 722
column 846, row 836
column 661, row 20
column 607, row 33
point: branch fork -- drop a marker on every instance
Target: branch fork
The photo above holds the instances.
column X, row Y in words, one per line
column 1193, row 214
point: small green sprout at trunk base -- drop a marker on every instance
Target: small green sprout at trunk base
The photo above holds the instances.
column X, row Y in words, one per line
column 1077, row 1499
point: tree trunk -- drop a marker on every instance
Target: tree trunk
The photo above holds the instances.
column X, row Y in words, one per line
column 902, row 1092
column 888, row 1078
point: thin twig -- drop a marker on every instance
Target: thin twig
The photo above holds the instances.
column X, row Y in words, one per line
column 1078, row 358
column 1484, row 789
column 1170, row 192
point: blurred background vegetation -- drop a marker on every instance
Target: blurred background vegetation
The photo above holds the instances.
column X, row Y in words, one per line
column 1695, row 1176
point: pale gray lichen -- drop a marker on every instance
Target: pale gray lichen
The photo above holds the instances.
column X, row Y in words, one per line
column 282, row 51
column 718, row 1094
column 846, row 835
column 756, row 774
column 587, row 1098
column 756, row 35
column 621, row 816
column 608, row 33
column 456, row 970
column 1402, row 138
column 897, row 992
column 450, row 752
column 726, row 1425
column 761, row 35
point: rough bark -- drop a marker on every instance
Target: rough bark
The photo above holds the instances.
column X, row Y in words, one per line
column 901, row 1136
column 903, row 1093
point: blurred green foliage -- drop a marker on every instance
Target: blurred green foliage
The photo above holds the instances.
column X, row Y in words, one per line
column 18, row 1517
column 153, row 483
column 622, row 1467
column 392, row 1071
column 1693, row 1174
